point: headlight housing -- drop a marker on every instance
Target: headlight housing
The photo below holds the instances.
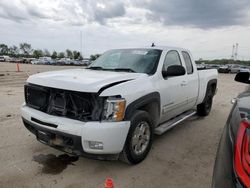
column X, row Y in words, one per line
column 114, row 109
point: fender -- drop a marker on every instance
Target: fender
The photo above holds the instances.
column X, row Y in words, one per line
column 144, row 100
column 210, row 82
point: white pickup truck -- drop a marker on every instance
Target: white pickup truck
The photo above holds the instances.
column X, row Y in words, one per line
column 113, row 108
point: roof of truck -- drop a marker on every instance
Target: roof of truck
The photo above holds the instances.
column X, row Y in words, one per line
column 159, row 48
column 167, row 48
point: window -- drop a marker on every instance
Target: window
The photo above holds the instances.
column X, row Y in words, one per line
column 188, row 62
column 172, row 58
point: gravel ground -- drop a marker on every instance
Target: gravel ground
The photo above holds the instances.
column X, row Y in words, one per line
column 182, row 157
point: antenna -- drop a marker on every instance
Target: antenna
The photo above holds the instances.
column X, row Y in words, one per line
column 153, row 44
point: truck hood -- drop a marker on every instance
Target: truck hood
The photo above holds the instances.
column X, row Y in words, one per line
column 83, row 80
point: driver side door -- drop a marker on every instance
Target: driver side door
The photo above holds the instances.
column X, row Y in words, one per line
column 173, row 91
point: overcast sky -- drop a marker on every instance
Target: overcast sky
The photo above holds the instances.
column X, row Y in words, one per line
column 207, row 28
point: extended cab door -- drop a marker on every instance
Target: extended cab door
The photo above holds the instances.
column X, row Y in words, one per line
column 173, row 90
column 192, row 80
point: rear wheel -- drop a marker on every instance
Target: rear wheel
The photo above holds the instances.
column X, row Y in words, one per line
column 204, row 108
column 139, row 139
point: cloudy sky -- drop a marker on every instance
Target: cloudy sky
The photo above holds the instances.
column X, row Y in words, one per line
column 207, row 28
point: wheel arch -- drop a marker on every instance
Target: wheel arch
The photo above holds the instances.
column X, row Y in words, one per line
column 212, row 84
column 149, row 103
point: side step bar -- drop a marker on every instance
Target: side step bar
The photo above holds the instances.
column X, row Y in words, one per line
column 162, row 128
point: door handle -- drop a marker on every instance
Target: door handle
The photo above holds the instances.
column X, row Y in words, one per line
column 183, row 83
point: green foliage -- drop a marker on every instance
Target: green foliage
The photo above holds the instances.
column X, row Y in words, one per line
column 54, row 55
column 61, row 55
column 69, row 54
column 4, row 49
column 76, row 55
column 223, row 62
column 94, row 57
column 13, row 51
column 38, row 53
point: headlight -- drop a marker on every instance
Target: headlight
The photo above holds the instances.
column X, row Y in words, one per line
column 114, row 109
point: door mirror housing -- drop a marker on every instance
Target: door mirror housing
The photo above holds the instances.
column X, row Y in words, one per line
column 242, row 77
column 174, row 70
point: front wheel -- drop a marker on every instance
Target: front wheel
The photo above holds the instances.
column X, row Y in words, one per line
column 139, row 139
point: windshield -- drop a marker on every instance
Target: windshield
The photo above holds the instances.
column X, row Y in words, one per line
column 128, row 60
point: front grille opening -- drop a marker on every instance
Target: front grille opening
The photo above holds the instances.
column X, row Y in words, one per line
column 58, row 104
column 75, row 105
column 36, row 97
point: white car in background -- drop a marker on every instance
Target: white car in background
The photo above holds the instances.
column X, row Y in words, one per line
column 35, row 62
column 43, row 61
column 234, row 68
column 244, row 69
column 65, row 61
column 4, row 58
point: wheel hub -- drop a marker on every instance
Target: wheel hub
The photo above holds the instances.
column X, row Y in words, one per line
column 140, row 139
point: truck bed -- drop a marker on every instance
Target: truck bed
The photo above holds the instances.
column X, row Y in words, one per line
column 205, row 76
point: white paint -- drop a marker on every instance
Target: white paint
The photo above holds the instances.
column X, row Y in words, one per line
column 113, row 134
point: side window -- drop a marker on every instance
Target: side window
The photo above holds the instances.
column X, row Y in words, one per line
column 188, row 62
column 172, row 58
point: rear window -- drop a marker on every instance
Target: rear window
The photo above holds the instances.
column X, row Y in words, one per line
column 188, row 62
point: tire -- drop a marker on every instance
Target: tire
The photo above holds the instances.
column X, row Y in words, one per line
column 204, row 108
column 134, row 154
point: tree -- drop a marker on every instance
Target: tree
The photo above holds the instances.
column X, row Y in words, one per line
column 47, row 53
column 69, row 54
column 4, row 49
column 25, row 49
column 14, row 50
column 76, row 55
column 61, row 55
column 54, row 55
column 38, row 53
column 94, row 57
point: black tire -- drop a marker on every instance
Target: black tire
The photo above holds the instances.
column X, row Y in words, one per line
column 128, row 154
column 204, row 108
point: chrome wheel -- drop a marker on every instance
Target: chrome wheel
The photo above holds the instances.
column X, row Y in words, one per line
column 141, row 137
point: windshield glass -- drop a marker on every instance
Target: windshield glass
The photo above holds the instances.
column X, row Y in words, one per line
column 128, row 60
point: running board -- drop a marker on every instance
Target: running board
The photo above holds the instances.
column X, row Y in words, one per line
column 173, row 122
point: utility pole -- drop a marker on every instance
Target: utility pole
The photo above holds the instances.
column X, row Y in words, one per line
column 81, row 43
column 236, row 51
column 232, row 56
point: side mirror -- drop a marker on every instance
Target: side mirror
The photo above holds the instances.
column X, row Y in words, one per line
column 242, row 77
column 174, row 70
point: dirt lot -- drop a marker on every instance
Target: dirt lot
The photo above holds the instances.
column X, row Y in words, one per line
column 183, row 157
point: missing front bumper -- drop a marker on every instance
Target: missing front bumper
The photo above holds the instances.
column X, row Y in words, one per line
column 64, row 142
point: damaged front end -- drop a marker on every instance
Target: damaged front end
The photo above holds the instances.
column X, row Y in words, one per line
column 71, row 104
column 91, row 109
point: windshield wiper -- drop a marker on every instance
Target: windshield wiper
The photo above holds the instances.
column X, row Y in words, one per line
column 117, row 69
column 124, row 69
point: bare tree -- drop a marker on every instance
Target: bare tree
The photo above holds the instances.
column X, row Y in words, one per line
column 13, row 50
column 47, row 53
column 25, row 48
